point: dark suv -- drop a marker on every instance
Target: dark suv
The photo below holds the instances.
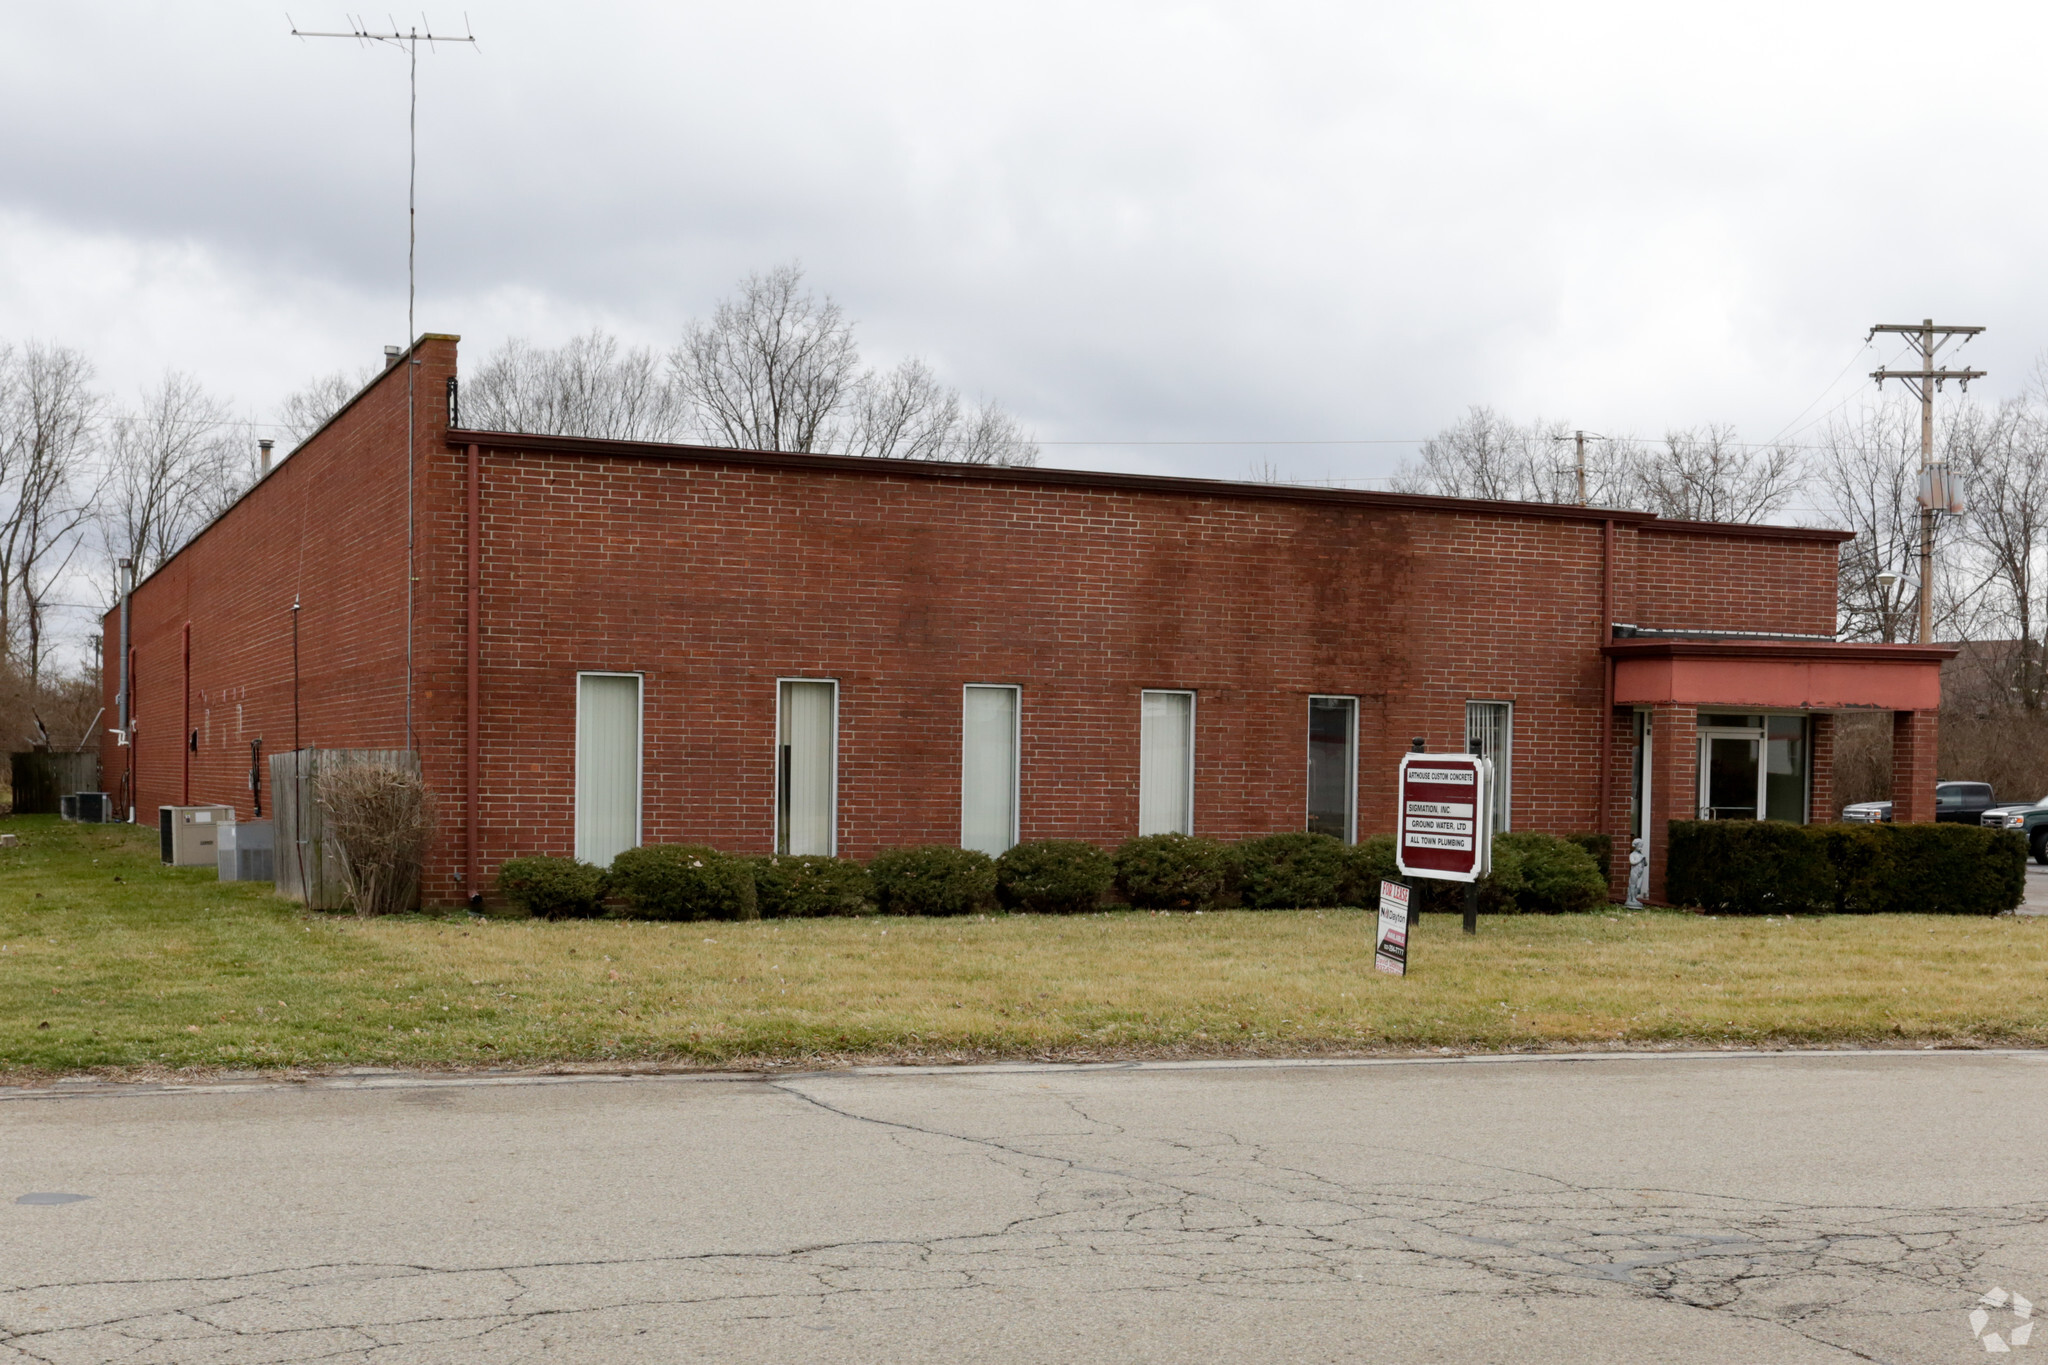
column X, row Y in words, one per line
column 1958, row 803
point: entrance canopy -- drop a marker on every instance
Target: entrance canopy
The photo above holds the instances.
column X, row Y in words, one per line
column 1799, row 675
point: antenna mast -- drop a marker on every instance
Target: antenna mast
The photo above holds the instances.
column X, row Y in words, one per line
column 408, row 41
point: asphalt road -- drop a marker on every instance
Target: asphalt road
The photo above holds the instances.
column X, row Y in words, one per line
column 1815, row 1207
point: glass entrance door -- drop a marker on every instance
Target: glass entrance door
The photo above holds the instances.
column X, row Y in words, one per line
column 1753, row 768
column 1728, row 774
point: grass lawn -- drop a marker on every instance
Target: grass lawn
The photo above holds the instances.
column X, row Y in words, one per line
column 112, row 963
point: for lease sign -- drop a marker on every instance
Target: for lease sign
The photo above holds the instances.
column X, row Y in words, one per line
column 1445, row 830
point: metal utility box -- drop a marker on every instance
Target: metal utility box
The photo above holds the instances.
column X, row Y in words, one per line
column 94, row 808
column 247, row 851
column 189, row 836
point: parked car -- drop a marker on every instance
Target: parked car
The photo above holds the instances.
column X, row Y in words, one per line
column 1956, row 803
column 2030, row 820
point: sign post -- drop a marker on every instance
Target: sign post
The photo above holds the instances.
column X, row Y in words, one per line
column 1447, row 822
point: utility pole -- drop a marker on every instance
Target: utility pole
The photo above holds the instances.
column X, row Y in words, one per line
column 408, row 41
column 1940, row 489
column 1579, row 439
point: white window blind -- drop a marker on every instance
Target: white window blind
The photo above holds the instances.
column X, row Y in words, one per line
column 806, row 769
column 1332, row 766
column 1166, row 763
column 1492, row 723
column 607, row 765
column 988, row 769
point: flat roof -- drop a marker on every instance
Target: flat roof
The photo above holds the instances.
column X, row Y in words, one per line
column 871, row 467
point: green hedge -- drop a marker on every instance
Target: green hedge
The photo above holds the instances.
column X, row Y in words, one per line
column 1601, row 846
column 684, row 881
column 1054, row 877
column 803, row 886
column 1768, row 867
column 1367, row 863
column 936, row 880
column 1554, row 876
column 1173, row 872
column 1291, row 871
column 554, row 888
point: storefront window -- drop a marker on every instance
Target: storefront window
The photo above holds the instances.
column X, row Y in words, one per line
column 1785, row 765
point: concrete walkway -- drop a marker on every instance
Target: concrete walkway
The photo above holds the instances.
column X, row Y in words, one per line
column 1726, row 1207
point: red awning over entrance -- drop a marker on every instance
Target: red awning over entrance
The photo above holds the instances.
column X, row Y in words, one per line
column 1817, row 675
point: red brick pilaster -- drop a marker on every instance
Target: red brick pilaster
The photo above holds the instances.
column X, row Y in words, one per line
column 1821, row 799
column 1913, row 749
column 1674, row 782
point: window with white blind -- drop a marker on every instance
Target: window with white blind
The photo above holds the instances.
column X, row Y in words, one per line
column 988, row 768
column 1166, row 763
column 1333, row 766
column 607, row 765
column 807, row 767
column 1491, row 725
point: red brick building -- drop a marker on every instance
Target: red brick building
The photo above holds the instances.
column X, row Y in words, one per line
column 607, row 642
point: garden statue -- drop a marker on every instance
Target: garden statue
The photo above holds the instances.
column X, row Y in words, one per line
column 1638, row 874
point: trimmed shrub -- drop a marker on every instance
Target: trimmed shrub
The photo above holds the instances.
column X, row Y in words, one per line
column 1367, row 863
column 1934, row 870
column 1748, row 867
column 1766, row 867
column 1172, row 872
column 802, row 886
column 1601, row 846
column 684, row 881
column 554, row 888
column 1291, row 871
column 935, row 880
column 1054, row 877
column 1558, row 876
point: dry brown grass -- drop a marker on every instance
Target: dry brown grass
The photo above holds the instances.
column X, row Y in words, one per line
column 167, row 968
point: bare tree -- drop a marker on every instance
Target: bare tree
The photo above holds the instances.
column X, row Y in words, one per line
column 175, row 463
column 1868, row 471
column 1708, row 475
column 49, row 422
column 907, row 414
column 307, row 410
column 1484, row 455
column 773, row 368
column 588, row 386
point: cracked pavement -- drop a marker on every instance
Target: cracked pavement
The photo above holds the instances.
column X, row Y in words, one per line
column 1769, row 1208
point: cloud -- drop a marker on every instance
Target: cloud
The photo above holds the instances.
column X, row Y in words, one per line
column 1165, row 221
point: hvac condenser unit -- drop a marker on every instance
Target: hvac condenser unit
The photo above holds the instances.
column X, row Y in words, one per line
column 190, row 835
column 245, row 851
column 94, row 808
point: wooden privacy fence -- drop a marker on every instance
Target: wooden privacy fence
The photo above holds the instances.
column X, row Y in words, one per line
column 308, row 861
column 40, row 778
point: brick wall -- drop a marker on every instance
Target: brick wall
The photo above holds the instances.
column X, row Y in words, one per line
column 716, row 573
column 327, row 528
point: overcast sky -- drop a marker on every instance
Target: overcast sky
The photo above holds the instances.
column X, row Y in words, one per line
column 1129, row 222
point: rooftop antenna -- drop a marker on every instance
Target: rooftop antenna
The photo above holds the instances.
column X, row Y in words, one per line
column 408, row 41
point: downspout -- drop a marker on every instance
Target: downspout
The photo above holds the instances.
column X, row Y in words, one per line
column 1606, row 679
column 469, row 881
column 185, row 739
column 127, row 729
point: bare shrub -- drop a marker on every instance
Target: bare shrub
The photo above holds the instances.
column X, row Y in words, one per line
column 1863, row 759
column 2008, row 749
column 382, row 819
